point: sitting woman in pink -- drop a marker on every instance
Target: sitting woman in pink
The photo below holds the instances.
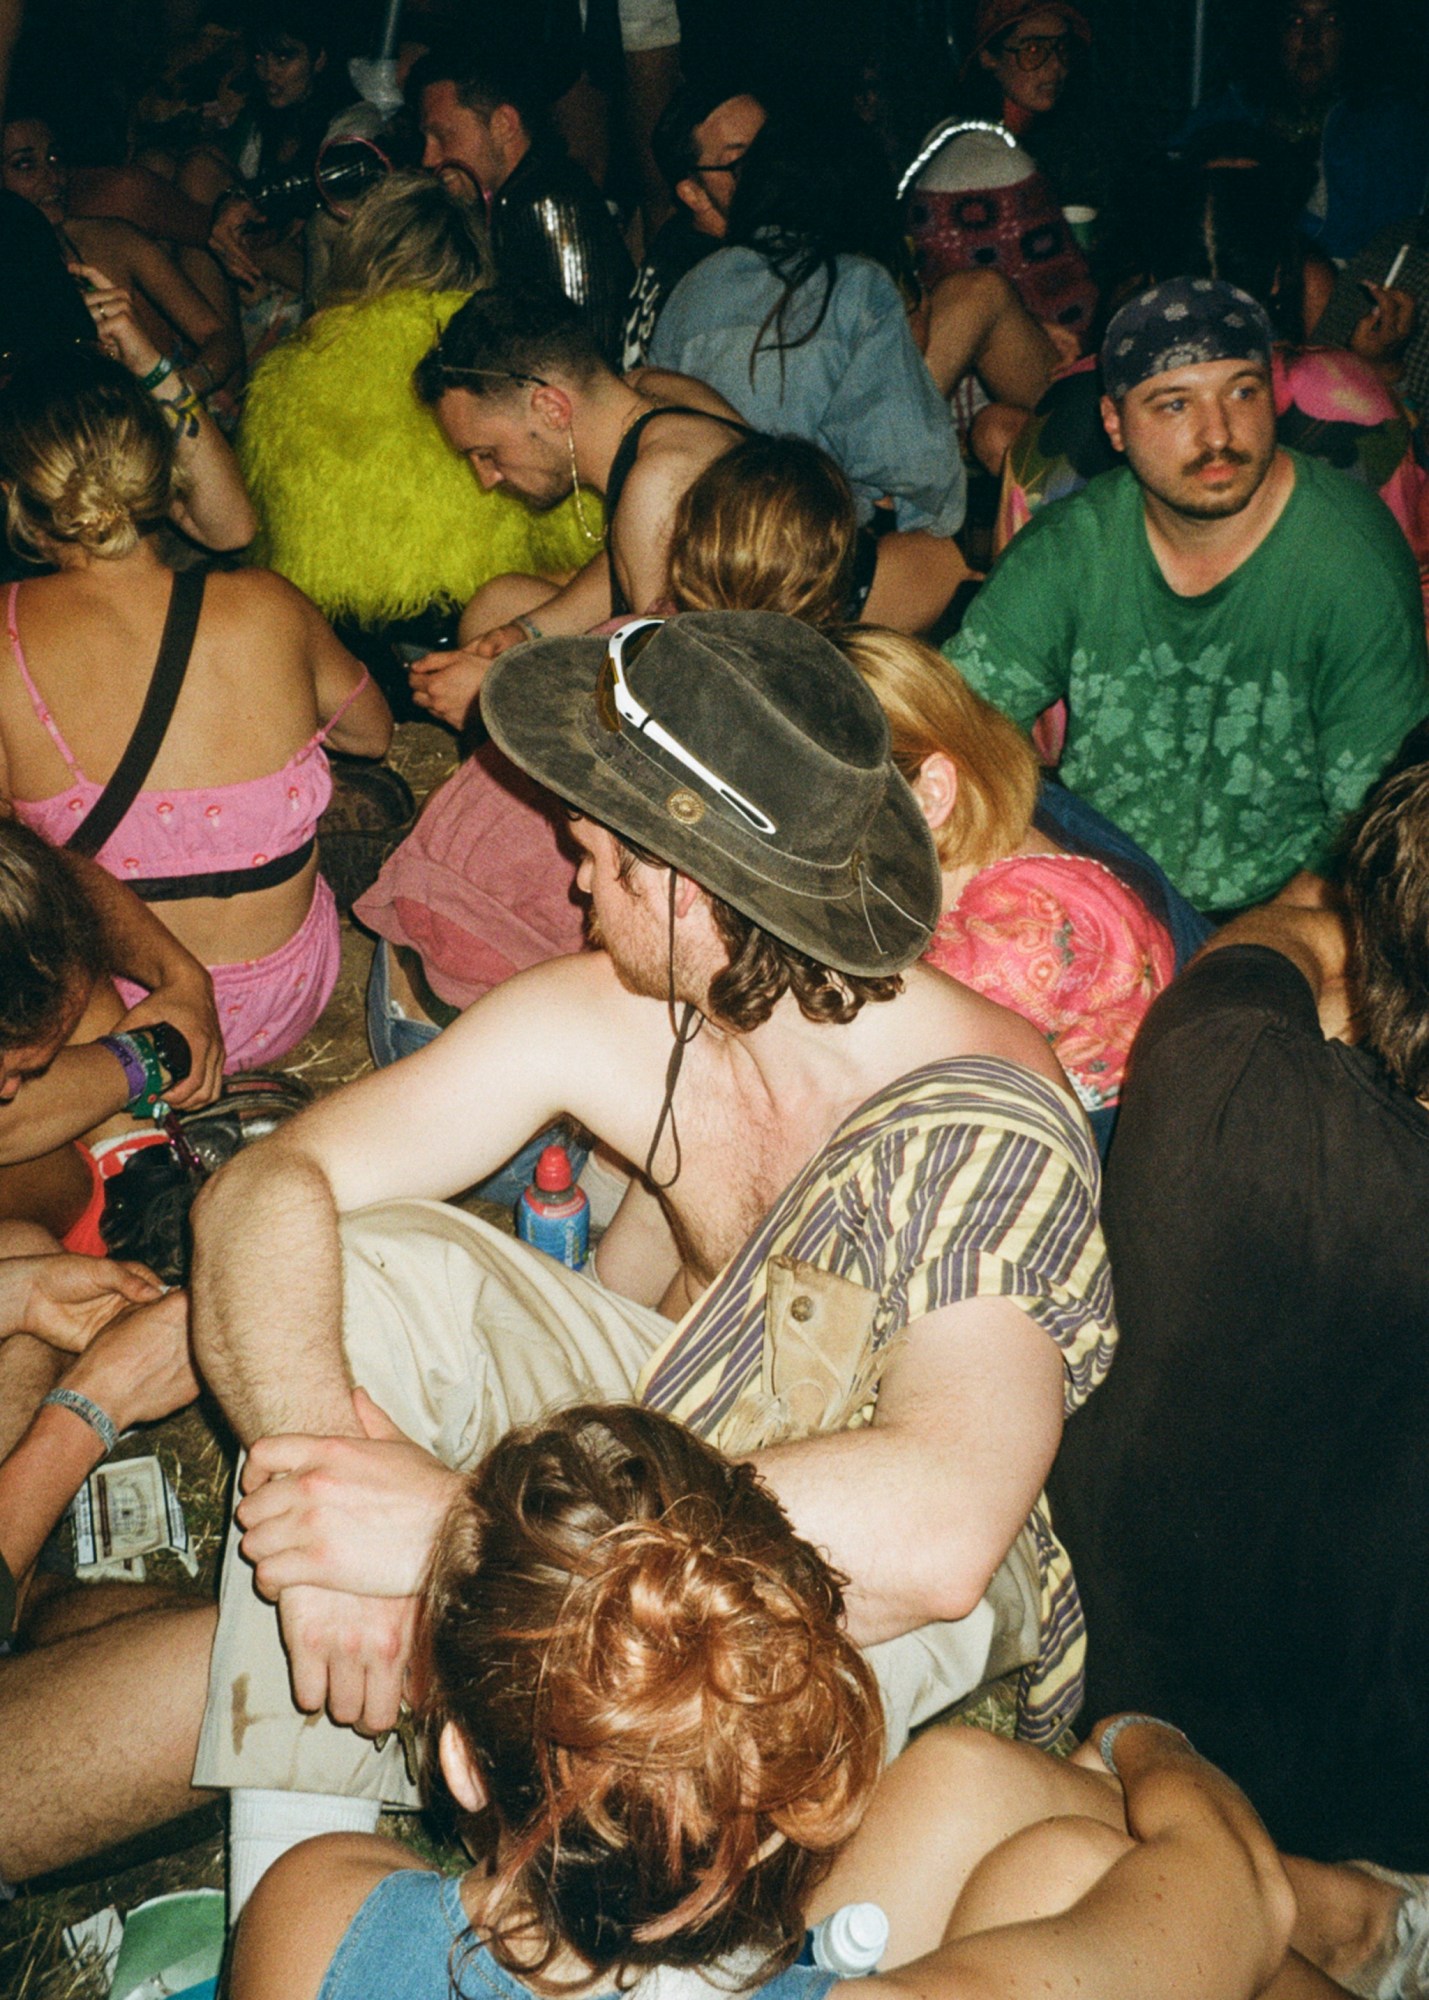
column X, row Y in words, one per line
column 1054, row 935
column 172, row 726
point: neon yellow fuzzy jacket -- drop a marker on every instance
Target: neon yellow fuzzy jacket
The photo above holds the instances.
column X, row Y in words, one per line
column 361, row 501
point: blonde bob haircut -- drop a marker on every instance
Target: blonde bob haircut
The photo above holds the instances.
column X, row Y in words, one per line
column 408, row 234
column 769, row 526
column 86, row 456
column 930, row 707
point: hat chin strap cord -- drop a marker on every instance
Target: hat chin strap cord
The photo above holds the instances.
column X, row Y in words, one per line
column 866, row 882
column 690, row 1021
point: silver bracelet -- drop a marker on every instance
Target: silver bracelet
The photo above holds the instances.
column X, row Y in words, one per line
column 1106, row 1742
column 99, row 1421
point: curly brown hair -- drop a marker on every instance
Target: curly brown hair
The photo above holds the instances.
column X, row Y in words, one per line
column 762, row 968
column 648, row 1670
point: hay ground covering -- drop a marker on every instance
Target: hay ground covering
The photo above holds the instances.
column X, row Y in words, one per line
column 197, row 1453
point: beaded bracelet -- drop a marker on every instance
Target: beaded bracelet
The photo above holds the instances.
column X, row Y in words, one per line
column 1106, row 1742
column 99, row 1421
column 138, row 1057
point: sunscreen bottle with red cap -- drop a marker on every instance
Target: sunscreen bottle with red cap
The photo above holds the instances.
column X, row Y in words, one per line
column 553, row 1214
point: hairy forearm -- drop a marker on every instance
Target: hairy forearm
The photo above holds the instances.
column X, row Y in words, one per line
column 848, row 1492
column 266, row 1228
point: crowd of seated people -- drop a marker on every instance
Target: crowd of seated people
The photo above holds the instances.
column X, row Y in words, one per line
column 987, row 1013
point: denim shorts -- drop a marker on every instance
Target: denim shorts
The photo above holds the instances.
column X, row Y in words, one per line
column 392, row 1035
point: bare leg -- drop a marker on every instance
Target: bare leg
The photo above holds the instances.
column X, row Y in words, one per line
column 914, row 582
column 976, row 321
column 966, row 1792
column 1343, row 1914
column 97, row 1737
column 995, row 430
column 29, row 1369
column 1046, row 1868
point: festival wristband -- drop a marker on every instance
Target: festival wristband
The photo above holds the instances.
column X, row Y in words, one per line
column 162, row 369
column 1106, row 1742
column 145, row 1055
column 99, row 1421
column 528, row 625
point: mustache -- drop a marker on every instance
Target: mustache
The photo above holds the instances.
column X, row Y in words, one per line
column 1226, row 456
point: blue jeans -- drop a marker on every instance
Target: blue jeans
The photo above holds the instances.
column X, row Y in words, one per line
column 391, row 1034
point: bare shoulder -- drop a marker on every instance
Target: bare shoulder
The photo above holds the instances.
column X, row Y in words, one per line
column 665, row 385
column 259, row 596
column 300, row 1912
column 941, row 1018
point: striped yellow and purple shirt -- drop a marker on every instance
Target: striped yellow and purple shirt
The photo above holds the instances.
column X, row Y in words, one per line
column 970, row 1178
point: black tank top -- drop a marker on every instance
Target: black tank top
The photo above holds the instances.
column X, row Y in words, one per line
column 620, row 465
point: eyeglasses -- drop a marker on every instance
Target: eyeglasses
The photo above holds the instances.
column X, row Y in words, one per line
column 1038, row 50
column 616, row 705
column 719, row 166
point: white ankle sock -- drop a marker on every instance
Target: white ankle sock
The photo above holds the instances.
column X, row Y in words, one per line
column 264, row 1825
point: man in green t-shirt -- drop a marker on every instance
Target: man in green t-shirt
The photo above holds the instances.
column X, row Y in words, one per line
column 1237, row 630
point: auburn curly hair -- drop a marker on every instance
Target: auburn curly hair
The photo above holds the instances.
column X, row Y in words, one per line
column 649, row 1671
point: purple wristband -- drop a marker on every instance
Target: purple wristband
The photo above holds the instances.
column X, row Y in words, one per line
column 123, row 1050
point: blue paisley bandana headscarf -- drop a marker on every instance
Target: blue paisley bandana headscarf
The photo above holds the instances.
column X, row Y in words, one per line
column 1178, row 324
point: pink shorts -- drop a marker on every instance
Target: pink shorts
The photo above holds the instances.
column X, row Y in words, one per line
column 266, row 1005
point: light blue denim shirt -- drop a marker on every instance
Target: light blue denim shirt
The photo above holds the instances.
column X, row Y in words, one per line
column 859, row 388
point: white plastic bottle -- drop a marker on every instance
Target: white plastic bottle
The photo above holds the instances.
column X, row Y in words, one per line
column 849, row 1942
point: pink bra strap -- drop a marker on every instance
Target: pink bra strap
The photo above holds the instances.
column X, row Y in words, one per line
column 37, row 701
column 341, row 710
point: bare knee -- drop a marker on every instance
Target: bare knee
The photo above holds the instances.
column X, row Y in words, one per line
column 1038, row 1872
column 996, row 428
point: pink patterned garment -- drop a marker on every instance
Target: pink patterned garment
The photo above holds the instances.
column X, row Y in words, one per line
column 1061, row 941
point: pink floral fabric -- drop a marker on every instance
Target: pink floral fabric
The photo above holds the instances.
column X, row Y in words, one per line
column 1061, row 941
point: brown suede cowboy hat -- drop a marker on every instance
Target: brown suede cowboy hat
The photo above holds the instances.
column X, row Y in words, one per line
column 743, row 749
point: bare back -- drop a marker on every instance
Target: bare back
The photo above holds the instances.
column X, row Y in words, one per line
column 678, row 437
column 264, row 673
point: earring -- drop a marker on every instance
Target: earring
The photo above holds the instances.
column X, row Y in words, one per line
column 585, row 526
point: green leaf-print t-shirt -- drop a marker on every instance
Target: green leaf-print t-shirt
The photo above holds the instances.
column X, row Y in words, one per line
column 1229, row 733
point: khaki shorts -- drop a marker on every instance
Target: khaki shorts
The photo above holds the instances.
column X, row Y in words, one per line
column 460, row 1332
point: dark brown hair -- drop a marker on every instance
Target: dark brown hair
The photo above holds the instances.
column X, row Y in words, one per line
column 50, row 937
column 649, row 1671
column 762, row 969
column 1387, row 897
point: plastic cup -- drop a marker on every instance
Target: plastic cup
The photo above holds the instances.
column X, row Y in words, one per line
column 1083, row 224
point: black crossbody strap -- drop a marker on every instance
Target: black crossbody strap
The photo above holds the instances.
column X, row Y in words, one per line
column 180, row 625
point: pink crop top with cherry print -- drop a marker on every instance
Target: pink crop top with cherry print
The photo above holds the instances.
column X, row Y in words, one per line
column 216, row 840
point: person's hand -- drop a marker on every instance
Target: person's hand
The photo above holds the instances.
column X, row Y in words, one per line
column 345, row 1514
column 1383, row 334
column 112, row 310
column 139, row 1368
column 67, row 1299
column 227, row 239
column 348, row 1654
column 446, row 684
column 186, row 1002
